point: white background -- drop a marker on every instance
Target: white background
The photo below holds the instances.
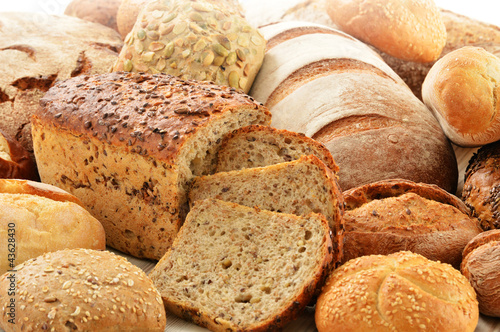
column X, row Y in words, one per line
column 484, row 10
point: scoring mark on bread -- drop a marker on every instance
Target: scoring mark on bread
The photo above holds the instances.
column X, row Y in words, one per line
column 30, row 51
column 42, row 83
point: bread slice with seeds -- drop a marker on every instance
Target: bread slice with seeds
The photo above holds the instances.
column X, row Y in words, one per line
column 298, row 187
column 258, row 146
column 236, row 268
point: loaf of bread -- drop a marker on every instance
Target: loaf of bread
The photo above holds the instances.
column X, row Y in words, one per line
column 481, row 190
column 38, row 49
column 97, row 11
column 400, row 292
column 193, row 40
column 299, row 187
column 481, row 258
column 258, row 146
column 390, row 216
column 128, row 144
column 80, row 290
column 37, row 218
column 412, row 30
column 333, row 88
column 461, row 91
column 235, row 268
column 15, row 161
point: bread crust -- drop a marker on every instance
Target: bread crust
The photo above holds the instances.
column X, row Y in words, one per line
column 67, row 290
column 418, row 217
column 14, row 186
column 18, row 164
column 403, row 292
column 480, row 267
column 102, row 12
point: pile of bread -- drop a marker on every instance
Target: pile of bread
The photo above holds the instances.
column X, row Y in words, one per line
column 266, row 169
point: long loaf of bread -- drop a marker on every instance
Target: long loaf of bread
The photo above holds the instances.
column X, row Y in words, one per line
column 335, row 89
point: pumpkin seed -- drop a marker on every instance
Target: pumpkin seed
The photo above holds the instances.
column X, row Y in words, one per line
column 220, row 50
column 162, row 63
column 200, row 44
column 243, row 83
column 195, row 16
column 157, row 13
column 200, row 7
column 141, row 34
column 256, row 40
column 156, row 46
column 168, row 50
column 127, row 65
column 226, row 25
column 153, row 35
column 234, row 79
column 139, row 47
column 152, row 26
column 241, row 55
column 218, row 61
column 224, row 41
column 166, row 29
column 231, row 58
column 207, row 58
column 148, row 56
column 246, row 28
column 180, row 27
column 169, row 17
column 232, row 36
column 186, row 53
column 243, row 41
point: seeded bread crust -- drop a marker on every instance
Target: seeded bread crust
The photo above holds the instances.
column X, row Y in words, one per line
column 258, row 146
column 399, row 292
column 235, row 268
column 482, row 185
column 84, row 290
column 390, row 216
column 300, row 187
column 15, row 161
column 135, row 141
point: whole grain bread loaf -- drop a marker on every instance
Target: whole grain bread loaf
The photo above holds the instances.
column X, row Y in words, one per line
column 236, row 268
column 81, row 290
column 201, row 40
column 38, row 49
column 480, row 266
column 399, row 292
column 128, row 144
column 15, row 161
column 258, row 146
column 482, row 186
column 389, row 216
column 299, row 187
column 333, row 88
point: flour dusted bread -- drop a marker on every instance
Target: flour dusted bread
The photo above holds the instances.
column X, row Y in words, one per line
column 334, row 89
column 128, row 144
column 42, row 218
column 81, row 290
column 399, row 292
column 36, row 50
column 258, row 146
column 15, row 161
column 299, row 187
column 390, row 216
column 235, row 268
column 97, row 11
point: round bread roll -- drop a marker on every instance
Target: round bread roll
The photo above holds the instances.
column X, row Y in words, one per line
column 399, row 292
column 411, row 30
column 392, row 215
column 37, row 218
column 97, row 11
column 126, row 16
column 481, row 265
column 80, row 290
column 481, row 191
column 461, row 91
column 15, row 161
column 194, row 40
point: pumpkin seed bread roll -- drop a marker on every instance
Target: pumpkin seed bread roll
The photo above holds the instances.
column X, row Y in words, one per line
column 194, row 40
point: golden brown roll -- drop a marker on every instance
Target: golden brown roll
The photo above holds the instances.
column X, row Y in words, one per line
column 411, row 30
column 461, row 91
column 97, row 11
column 481, row 190
column 393, row 215
column 80, row 290
column 37, row 218
column 15, row 161
column 399, row 292
column 481, row 265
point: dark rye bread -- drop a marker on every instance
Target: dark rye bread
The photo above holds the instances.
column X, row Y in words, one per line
column 258, row 146
column 128, row 144
column 299, row 187
column 81, row 290
column 390, row 216
column 481, row 191
column 336, row 90
column 235, row 268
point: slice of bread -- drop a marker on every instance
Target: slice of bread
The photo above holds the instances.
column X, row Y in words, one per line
column 236, row 268
column 258, row 146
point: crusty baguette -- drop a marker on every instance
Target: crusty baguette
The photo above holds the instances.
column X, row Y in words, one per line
column 299, row 187
column 128, row 145
column 258, row 146
column 235, row 268
column 333, row 88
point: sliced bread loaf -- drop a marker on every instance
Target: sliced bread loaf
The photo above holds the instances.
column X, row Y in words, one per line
column 298, row 187
column 258, row 146
column 235, row 268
